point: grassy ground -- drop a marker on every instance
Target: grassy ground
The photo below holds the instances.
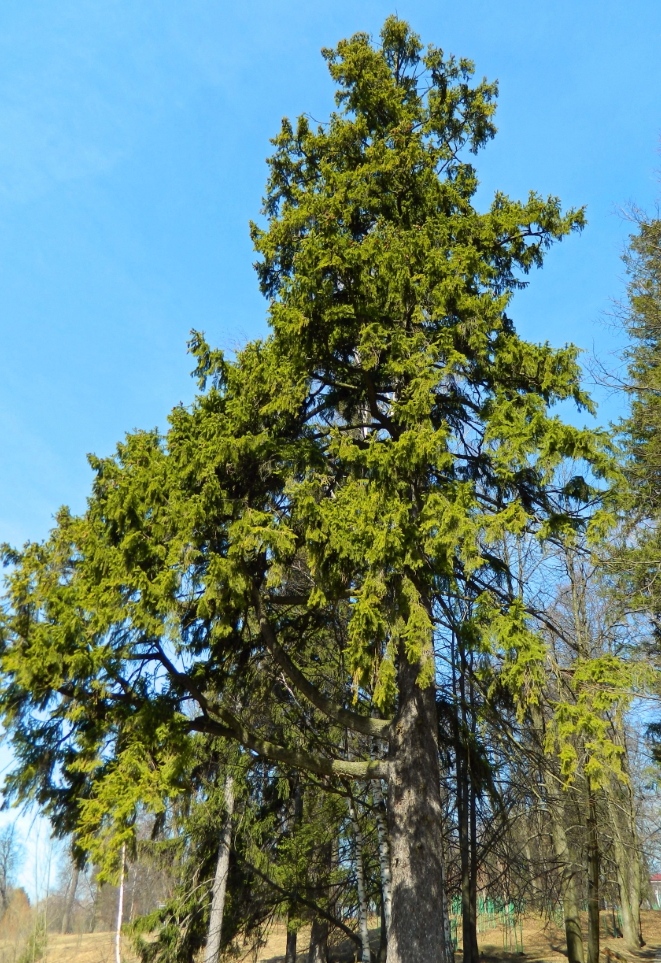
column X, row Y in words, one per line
column 542, row 943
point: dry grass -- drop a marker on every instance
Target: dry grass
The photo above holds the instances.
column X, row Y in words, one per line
column 542, row 943
column 85, row 948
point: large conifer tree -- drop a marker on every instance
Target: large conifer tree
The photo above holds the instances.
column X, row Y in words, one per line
column 293, row 558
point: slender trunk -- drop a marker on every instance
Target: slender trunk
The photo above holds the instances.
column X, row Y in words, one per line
column 467, row 832
column 464, row 860
column 120, row 909
column 296, row 817
column 472, row 817
column 212, row 950
column 384, row 853
column 383, row 933
column 363, row 927
column 318, row 952
column 290, row 951
column 466, row 817
column 417, row 926
column 472, row 891
column 70, row 901
column 593, row 879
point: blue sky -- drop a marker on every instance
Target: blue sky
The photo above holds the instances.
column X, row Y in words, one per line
column 132, row 147
column 132, row 156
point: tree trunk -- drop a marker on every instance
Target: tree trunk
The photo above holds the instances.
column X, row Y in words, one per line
column 417, row 927
column 621, row 810
column 212, row 950
column 318, row 952
column 570, row 900
column 290, row 951
column 363, row 927
column 593, row 879
column 627, row 870
column 70, row 901
column 384, row 854
column 383, row 933
column 563, row 856
column 467, row 826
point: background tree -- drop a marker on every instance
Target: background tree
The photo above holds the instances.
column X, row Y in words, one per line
column 9, row 860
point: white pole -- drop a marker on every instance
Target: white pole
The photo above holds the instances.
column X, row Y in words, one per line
column 120, row 909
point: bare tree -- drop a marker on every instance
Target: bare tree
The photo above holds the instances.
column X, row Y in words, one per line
column 8, row 863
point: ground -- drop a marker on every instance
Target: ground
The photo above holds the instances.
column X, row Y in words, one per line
column 542, row 943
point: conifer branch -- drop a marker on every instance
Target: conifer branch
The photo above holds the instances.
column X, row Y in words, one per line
column 366, row 725
column 231, row 727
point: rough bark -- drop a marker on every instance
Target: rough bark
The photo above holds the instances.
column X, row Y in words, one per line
column 290, row 950
column 570, row 897
column 212, row 950
column 417, row 927
column 318, row 952
column 627, row 867
column 563, row 855
column 70, row 901
column 626, row 845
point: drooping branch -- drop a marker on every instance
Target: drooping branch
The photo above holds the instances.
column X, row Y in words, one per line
column 304, row 901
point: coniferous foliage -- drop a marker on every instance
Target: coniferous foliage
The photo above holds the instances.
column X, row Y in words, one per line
column 321, row 560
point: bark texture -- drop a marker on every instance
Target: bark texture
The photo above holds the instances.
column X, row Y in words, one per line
column 290, row 951
column 212, row 950
column 318, row 952
column 417, row 926
column 570, row 897
column 627, row 861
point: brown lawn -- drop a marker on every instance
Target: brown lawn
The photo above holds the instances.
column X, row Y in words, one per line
column 542, row 943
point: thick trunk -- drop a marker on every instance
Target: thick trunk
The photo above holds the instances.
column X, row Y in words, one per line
column 627, row 860
column 563, row 855
column 290, row 951
column 628, row 880
column 593, row 880
column 70, row 901
column 318, row 952
column 212, row 950
column 570, row 900
column 417, row 926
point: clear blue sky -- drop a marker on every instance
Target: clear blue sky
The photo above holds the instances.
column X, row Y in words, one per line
column 133, row 138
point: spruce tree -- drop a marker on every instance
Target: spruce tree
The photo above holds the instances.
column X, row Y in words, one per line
column 286, row 568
